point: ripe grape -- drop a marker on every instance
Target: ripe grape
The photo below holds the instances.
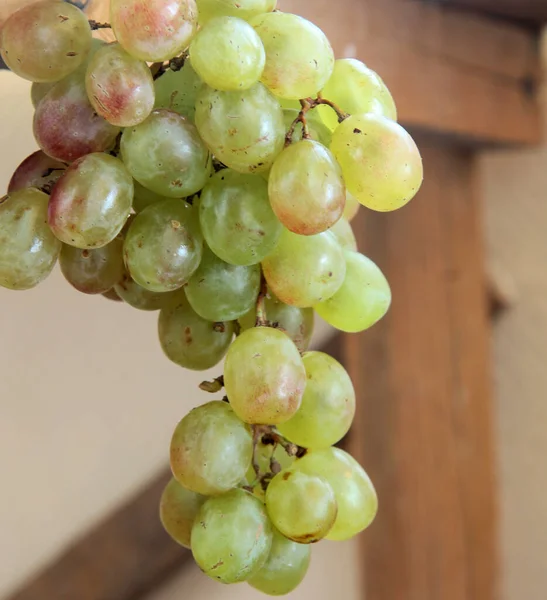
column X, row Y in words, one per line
column 299, row 58
column 264, row 376
column 90, row 204
column 45, row 41
column 142, row 299
column 328, row 404
column 178, row 510
column 363, row 299
column 352, row 207
column 178, row 90
column 218, row 291
column 306, row 189
column 355, row 494
column 37, row 170
column 154, row 30
column 356, row 90
column 190, row 341
column 316, row 128
column 344, row 235
column 211, row 449
column 231, row 536
column 236, row 217
column 228, row 54
column 381, row 164
column 301, row 506
column 28, row 248
column 244, row 9
column 305, row 270
column 143, row 197
column 166, row 155
column 120, row 87
column 285, row 567
column 244, row 129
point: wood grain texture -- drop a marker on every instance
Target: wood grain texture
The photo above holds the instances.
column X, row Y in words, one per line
column 534, row 11
column 423, row 428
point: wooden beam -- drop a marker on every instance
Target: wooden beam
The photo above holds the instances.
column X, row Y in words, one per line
column 534, row 11
column 424, row 423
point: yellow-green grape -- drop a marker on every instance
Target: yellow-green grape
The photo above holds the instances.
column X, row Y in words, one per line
column 363, row 299
column 244, row 9
column 343, row 233
column 93, row 271
column 190, row 341
column 154, row 30
column 166, row 155
column 301, row 506
column 119, row 86
column 178, row 90
column 381, row 164
column 304, row 270
column 299, row 58
column 285, row 568
column 328, row 404
column 142, row 299
column 237, row 219
column 306, row 189
column 218, row 291
column 264, row 454
column 355, row 495
column 211, row 449
column 45, row 41
column 351, row 208
column 178, row 510
column 231, row 536
column 356, row 90
column 37, row 170
column 316, row 128
column 144, row 197
column 244, row 129
column 296, row 322
column 90, row 203
column 264, row 376
column 163, row 246
column 228, row 54
column 28, row 248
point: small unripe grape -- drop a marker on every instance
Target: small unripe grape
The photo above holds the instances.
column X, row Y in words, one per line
column 177, row 90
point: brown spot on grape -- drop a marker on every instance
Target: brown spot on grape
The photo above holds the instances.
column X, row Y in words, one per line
column 85, row 253
column 188, row 335
column 357, row 130
column 217, row 565
column 286, row 475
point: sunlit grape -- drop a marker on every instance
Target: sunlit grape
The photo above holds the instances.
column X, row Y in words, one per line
column 351, row 208
column 37, row 170
column 28, row 249
column 362, row 300
column 381, row 164
column 177, row 90
column 304, row 270
column 142, row 299
column 344, row 235
column 264, row 376
column 144, row 197
column 244, row 9
column 211, row 449
column 316, row 128
column 232, row 536
column 299, row 58
column 178, row 510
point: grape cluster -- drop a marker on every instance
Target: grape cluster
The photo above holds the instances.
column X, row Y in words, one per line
column 207, row 164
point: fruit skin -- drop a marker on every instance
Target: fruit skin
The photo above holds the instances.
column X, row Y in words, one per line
column 30, row 173
column 243, row 9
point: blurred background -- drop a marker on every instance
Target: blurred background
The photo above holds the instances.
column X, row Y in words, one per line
column 452, row 385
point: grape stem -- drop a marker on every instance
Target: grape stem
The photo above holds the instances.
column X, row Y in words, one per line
column 261, row 319
column 174, row 64
column 212, row 386
column 96, row 25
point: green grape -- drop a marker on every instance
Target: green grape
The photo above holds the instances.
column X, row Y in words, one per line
column 344, row 235
column 93, row 271
column 381, row 164
column 299, row 58
column 163, row 246
column 264, row 454
column 211, row 449
column 285, row 567
column 39, row 90
column 142, row 299
column 218, row 291
column 112, row 295
column 45, row 41
column 363, row 299
column 356, row 89
column 244, row 9
column 90, row 204
column 190, row 341
column 120, row 87
column 355, row 494
column 328, row 404
column 28, row 249
column 154, row 30
column 296, row 322
column 351, row 208
column 301, row 506
column 178, row 90
column 228, row 54
column 317, row 129
column 232, row 536
column 37, row 170
column 144, row 197
column 236, row 217
column 264, row 376
column 305, row 270
column 306, row 189
column 178, row 510
column 243, row 129
column 166, row 155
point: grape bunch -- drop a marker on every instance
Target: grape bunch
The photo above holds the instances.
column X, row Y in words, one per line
column 207, row 165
